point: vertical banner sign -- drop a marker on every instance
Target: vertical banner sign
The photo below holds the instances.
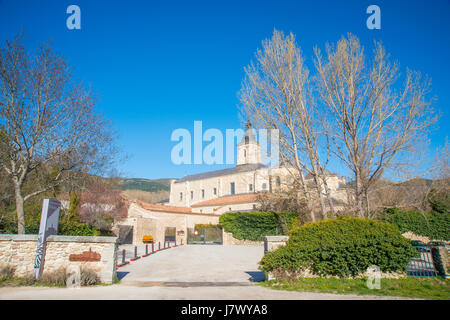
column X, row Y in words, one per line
column 48, row 226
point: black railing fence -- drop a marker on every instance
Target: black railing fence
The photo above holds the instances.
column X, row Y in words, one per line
column 429, row 263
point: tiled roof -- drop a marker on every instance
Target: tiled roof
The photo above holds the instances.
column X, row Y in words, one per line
column 163, row 208
column 241, row 198
column 218, row 173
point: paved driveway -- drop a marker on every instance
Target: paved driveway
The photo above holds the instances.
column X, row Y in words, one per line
column 198, row 272
column 212, row 264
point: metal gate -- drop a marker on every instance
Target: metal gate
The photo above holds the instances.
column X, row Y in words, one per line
column 422, row 266
column 204, row 236
column 125, row 234
column 170, row 234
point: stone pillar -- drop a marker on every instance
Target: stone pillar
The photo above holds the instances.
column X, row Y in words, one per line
column 273, row 242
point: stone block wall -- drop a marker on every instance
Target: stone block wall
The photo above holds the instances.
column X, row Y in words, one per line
column 228, row 239
column 19, row 252
column 273, row 242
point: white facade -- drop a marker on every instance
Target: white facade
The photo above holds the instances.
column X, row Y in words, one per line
column 250, row 176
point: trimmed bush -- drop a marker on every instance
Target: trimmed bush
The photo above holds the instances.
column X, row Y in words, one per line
column 342, row 247
column 256, row 225
column 432, row 224
column 207, row 226
column 70, row 228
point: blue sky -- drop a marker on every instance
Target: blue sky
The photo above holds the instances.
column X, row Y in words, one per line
column 159, row 65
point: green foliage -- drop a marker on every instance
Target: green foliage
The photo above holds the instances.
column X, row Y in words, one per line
column 342, row 247
column 207, row 226
column 71, row 225
column 432, row 224
column 411, row 287
column 77, row 229
column 439, row 201
column 145, row 184
column 255, row 225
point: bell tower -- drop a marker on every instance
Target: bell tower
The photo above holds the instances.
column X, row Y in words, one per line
column 249, row 151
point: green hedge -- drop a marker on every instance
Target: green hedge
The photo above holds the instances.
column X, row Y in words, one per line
column 432, row 224
column 345, row 246
column 77, row 229
column 255, row 225
column 207, row 226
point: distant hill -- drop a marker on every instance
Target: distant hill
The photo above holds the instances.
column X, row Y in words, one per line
column 415, row 182
column 144, row 184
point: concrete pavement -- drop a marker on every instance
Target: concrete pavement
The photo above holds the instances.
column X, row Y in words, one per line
column 194, row 272
column 197, row 263
column 124, row 292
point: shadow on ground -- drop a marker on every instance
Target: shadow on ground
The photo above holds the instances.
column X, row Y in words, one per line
column 121, row 275
column 256, row 276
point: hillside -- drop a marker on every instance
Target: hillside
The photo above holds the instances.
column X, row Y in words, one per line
column 147, row 185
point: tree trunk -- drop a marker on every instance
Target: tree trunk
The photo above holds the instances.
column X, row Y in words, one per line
column 329, row 199
column 306, row 194
column 320, row 194
column 19, row 210
column 366, row 194
column 358, row 195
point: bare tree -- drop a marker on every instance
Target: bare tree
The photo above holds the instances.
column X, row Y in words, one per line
column 51, row 130
column 101, row 206
column 276, row 94
column 372, row 123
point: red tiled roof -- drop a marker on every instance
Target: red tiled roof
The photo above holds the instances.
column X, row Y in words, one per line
column 163, row 208
column 243, row 198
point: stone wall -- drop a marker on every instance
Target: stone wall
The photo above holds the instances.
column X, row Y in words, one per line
column 19, row 252
column 412, row 236
column 227, row 238
column 273, row 242
column 153, row 223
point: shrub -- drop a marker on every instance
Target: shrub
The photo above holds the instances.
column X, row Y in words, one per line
column 58, row 277
column 6, row 272
column 71, row 228
column 88, row 277
column 439, row 200
column 345, row 246
column 432, row 224
column 207, row 226
column 255, row 225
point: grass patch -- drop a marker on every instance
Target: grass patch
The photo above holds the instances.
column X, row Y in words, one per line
column 23, row 282
column 431, row 288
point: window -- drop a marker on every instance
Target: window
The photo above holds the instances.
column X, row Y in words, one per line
column 181, row 196
column 232, row 188
column 192, row 195
column 264, row 186
column 203, row 193
column 247, row 139
column 245, row 153
column 250, row 187
column 215, row 191
column 278, row 181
